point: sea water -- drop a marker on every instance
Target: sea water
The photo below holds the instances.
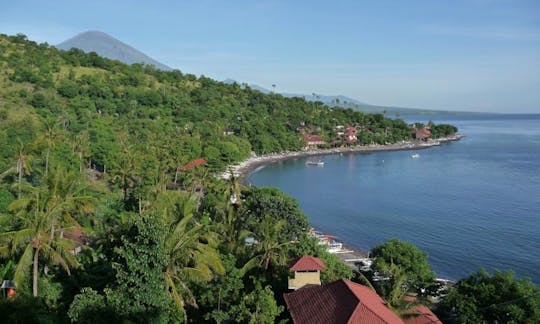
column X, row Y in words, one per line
column 468, row 204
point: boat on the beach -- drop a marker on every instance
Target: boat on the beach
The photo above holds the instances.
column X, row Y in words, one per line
column 415, row 155
column 316, row 163
column 328, row 241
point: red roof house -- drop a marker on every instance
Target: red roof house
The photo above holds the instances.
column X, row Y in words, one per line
column 421, row 134
column 308, row 263
column 420, row 314
column 192, row 164
column 307, row 272
column 350, row 134
column 313, row 140
column 341, row 301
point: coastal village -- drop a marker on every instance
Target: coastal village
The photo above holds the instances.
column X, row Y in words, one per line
column 345, row 135
column 344, row 139
column 123, row 199
column 344, row 301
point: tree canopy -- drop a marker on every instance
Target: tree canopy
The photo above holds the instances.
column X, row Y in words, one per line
column 411, row 260
column 493, row 298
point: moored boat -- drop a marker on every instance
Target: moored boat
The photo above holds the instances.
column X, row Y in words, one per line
column 317, row 163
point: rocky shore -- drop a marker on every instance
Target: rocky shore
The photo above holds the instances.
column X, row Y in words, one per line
column 254, row 162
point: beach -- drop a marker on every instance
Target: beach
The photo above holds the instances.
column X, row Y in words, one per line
column 350, row 256
column 253, row 163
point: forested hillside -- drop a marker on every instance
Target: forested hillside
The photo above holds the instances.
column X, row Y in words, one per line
column 108, row 106
column 98, row 225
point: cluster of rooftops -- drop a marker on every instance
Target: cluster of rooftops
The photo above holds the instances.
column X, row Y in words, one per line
column 347, row 135
column 341, row 301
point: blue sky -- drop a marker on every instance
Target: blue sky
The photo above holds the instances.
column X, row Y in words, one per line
column 476, row 55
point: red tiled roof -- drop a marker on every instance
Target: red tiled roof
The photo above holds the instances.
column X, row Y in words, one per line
column 371, row 306
column 341, row 301
column 308, row 263
column 192, row 164
column 424, row 131
column 313, row 138
column 420, row 314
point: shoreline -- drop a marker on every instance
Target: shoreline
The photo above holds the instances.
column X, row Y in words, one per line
column 251, row 164
column 348, row 255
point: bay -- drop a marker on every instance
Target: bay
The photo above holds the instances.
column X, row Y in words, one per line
column 468, row 204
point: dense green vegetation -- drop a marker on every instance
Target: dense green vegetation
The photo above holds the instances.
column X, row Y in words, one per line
column 406, row 270
column 98, row 225
column 111, row 107
column 492, row 298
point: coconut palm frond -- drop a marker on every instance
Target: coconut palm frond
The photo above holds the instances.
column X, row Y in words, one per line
column 171, row 288
column 251, row 264
column 23, row 264
column 21, row 237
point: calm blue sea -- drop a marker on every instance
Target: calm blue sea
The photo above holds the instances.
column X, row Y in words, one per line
column 469, row 204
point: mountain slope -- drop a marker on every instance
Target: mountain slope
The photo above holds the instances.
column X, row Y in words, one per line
column 109, row 47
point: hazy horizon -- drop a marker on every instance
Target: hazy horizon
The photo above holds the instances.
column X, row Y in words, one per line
column 477, row 55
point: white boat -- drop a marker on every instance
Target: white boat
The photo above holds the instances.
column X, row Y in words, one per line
column 334, row 247
column 317, row 163
column 415, row 155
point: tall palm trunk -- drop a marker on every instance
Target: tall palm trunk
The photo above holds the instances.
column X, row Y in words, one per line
column 19, row 170
column 52, row 230
column 35, row 273
column 47, row 160
column 176, row 175
column 80, row 162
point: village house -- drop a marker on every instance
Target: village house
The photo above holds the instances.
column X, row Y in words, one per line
column 350, row 134
column 313, row 141
column 341, row 301
column 422, row 134
column 307, row 271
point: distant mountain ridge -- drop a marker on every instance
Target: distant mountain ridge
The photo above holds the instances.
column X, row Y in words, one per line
column 348, row 102
column 112, row 48
column 109, row 47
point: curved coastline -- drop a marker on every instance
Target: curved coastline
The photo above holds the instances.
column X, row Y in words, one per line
column 349, row 255
column 255, row 163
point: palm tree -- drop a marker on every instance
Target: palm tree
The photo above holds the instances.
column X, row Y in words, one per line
column 49, row 137
column 226, row 212
column 268, row 250
column 46, row 212
column 80, row 146
column 65, row 198
column 126, row 170
column 233, row 189
column 34, row 239
column 21, row 167
column 190, row 246
column 394, row 290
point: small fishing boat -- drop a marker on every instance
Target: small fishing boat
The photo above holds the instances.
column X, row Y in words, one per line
column 317, row 163
column 415, row 155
